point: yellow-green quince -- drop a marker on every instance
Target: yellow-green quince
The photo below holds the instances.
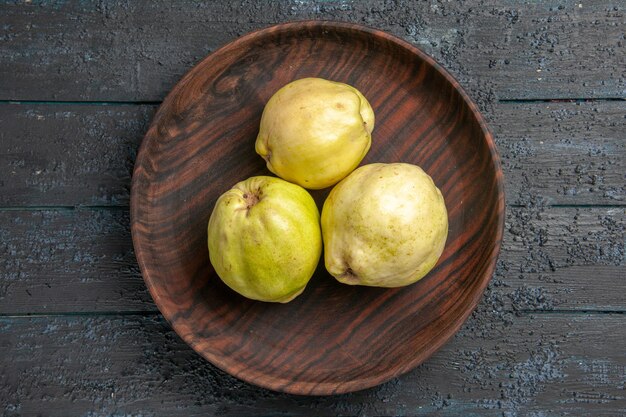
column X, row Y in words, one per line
column 264, row 238
column 314, row 132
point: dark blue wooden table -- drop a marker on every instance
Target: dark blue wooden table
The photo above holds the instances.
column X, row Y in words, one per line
column 80, row 335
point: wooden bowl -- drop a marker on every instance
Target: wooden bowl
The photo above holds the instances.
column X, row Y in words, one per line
column 334, row 338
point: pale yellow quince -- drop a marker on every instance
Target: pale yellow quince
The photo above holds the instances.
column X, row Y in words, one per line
column 384, row 225
column 314, row 132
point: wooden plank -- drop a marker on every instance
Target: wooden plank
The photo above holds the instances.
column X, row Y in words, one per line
column 69, row 260
column 562, row 152
column 561, row 259
column 82, row 260
column 103, row 51
column 115, row 51
column 69, row 155
column 561, row 364
column 569, row 153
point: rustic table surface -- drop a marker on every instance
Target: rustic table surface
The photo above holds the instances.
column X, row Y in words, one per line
column 80, row 335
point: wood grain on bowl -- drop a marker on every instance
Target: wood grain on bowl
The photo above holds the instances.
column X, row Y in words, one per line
column 333, row 338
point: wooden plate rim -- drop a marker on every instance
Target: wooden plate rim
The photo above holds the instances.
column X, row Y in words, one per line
column 275, row 382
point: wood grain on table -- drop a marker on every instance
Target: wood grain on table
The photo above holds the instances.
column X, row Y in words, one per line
column 80, row 335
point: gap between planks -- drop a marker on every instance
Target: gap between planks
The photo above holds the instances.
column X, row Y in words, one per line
column 81, row 103
column 158, row 102
column 65, row 208
column 142, row 313
column 526, row 312
column 560, row 100
column 126, row 207
column 156, row 313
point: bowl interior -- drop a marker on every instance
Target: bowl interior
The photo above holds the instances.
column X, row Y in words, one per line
column 333, row 338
